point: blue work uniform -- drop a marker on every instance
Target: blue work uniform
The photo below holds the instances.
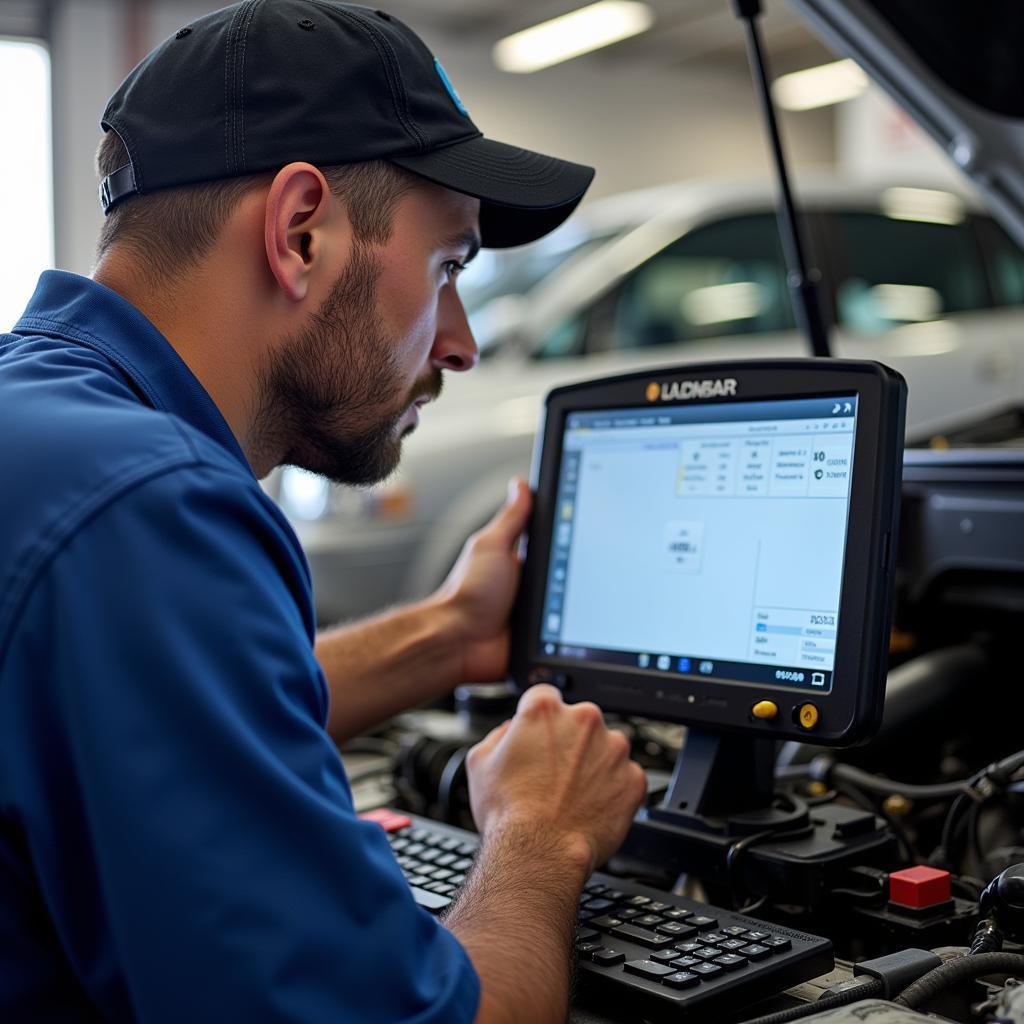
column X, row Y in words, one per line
column 177, row 836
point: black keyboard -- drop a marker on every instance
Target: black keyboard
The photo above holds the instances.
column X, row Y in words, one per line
column 638, row 949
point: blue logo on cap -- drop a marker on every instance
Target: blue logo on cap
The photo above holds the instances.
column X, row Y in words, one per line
column 451, row 88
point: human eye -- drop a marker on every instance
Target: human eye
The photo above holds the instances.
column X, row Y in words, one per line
column 452, row 269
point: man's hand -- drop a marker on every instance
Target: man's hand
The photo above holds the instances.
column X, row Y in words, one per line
column 480, row 589
column 557, row 770
column 553, row 792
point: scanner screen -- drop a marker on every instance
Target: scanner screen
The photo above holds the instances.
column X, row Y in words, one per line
column 705, row 540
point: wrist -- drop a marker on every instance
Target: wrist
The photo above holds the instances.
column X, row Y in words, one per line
column 568, row 853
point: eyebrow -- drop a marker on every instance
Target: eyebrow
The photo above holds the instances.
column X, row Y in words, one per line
column 468, row 238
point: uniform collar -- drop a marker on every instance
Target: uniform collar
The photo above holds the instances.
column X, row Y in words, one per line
column 82, row 310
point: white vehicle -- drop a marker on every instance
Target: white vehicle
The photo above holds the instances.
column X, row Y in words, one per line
column 918, row 278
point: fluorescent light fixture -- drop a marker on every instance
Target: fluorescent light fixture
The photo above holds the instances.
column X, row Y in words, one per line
column 571, row 35
column 922, row 204
column 819, row 87
column 721, row 303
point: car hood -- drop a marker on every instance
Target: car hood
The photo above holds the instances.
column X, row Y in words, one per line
column 955, row 68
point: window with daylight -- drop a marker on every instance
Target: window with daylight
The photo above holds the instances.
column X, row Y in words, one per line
column 26, row 186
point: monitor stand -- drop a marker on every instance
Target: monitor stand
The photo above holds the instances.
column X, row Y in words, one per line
column 723, row 821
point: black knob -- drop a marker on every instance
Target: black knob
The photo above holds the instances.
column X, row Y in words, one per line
column 1003, row 898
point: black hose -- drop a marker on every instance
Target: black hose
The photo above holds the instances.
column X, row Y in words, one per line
column 953, row 972
column 887, row 787
column 870, row 989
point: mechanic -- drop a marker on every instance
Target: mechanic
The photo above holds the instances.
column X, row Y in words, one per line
column 291, row 188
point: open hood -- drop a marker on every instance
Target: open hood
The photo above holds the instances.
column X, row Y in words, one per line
column 955, row 67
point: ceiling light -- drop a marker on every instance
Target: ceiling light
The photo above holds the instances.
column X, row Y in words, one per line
column 819, row 87
column 571, row 35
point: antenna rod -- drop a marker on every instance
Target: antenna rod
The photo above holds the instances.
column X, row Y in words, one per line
column 804, row 288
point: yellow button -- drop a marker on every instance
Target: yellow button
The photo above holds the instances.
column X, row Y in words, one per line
column 807, row 716
column 766, row 709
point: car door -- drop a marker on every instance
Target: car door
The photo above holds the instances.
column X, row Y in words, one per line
column 913, row 292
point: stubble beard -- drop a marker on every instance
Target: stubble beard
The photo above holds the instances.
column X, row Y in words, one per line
column 332, row 396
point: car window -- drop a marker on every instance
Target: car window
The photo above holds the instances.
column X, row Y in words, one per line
column 891, row 271
column 1005, row 261
column 726, row 278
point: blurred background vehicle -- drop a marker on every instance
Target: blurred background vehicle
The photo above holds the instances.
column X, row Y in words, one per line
column 914, row 275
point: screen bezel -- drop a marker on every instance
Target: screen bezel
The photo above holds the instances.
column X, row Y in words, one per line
column 851, row 711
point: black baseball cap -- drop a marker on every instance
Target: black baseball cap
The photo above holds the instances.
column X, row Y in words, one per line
column 262, row 83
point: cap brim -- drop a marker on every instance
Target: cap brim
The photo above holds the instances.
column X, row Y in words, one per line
column 523, row 195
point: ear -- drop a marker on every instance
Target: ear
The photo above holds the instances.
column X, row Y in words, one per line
column 298, row 217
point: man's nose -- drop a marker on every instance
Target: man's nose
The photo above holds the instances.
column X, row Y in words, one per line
column 454, row 345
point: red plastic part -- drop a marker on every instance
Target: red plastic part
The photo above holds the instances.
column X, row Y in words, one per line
column 390, row 821
column 919, row 887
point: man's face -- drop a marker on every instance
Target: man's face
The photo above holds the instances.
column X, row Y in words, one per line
column 344, row 390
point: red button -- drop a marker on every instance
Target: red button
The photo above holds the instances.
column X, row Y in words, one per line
column 390, row 821
column 919, row 887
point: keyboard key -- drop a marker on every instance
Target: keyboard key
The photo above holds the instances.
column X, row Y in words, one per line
column 628, row 914
column 758, row 936
column 465, row 850
column 777, row 944
column 418, row 880
column 688, row 947
column 730, row 961
column 606, row 923
column 649, row 920
column 429, row 900
column 445, row 859
column 419, row 834
column 457, row 879
column 734, row 932
column 649, row 969
column 707, row 970
column 441, row 874
column 707, row 953
column 451, row 844
column 607, row 957
column 638, row 901
column 684, row 963
column 585, row 915
column 713, row 938
column 598, row 904
column 755, row 951
column 644, row 937
column 586, row 934
column 681, row 979
column 614, row 894
column 703, row 922
column 463, row 864
column 399, row 843
column 676, row 914
column 429, row 855
column 676, row 929
column 586, row 948
column 656, row 907
column 664, row 956
column 594, row 888
column 414, row 849
column 732, row 945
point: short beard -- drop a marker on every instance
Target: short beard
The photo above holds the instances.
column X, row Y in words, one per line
column 324, row 390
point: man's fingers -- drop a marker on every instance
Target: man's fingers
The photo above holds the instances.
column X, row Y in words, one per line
column 510, row 520
column 491, row 740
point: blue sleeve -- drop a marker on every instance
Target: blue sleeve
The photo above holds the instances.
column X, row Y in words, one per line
column 188, row 818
